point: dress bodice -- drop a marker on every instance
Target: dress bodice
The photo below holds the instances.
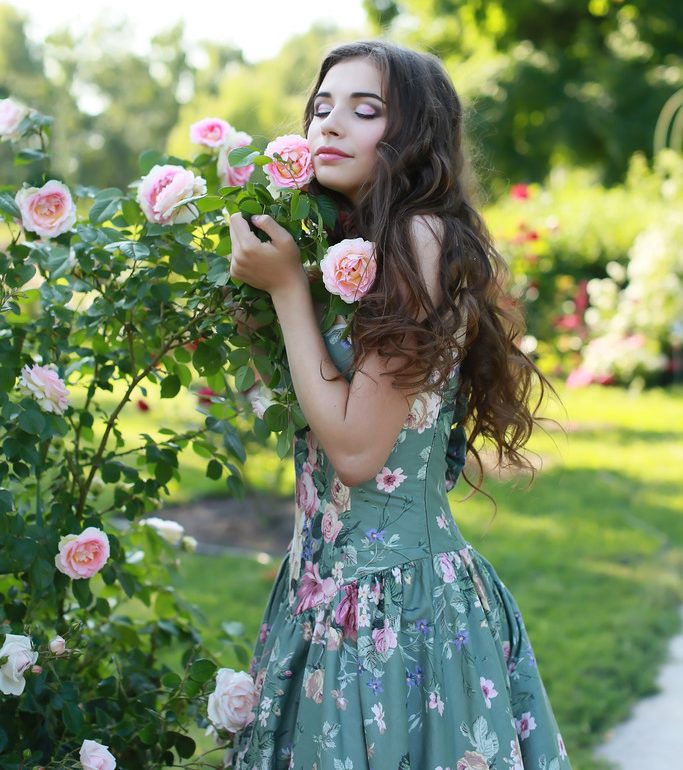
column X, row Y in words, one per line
column 399, row 515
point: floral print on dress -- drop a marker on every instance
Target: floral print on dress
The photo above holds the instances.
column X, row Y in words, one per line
column 389, row 642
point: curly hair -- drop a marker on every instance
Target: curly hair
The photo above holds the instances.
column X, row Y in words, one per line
column 422, row 170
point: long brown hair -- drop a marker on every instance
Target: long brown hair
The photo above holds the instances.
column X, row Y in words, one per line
column 422, row 170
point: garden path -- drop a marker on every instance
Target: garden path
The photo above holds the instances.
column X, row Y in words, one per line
column 652, row 736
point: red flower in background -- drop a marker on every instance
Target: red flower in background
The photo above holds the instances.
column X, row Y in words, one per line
column 142, row 405
column 520, row 192
column 204, row 395
column 192, row 346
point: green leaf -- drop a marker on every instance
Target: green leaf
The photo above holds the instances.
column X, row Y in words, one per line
column 202, row 670
column 170, row 386
column 103, row 210
column 206, row 359
column 302, row 208
column 148, row 159
column 244, row 378
column 9, row 206
column 32, row 421
column 73, row 718
column 214, row 470
column 242, row 156
column 163, row 473
column 184, row 745
column 171, row 680
column 82, row 593
column 249, row 206
column 29, row 156
column 210, row 203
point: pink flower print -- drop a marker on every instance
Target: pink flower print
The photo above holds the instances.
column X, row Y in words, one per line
column 340, row 700
column 388, row 481
column 313, row 589
column 560, row 745
column 384, row 638
column 378, row 711
column 263, row 634
column 515, row 756
column 435, row 702
column 525, row 725
column 506, row 651
column 331, row 526
column 313, row 685
column 306, row 493
column 488, row 690
column 346, row 614
column 447, row 568
column 441, row 521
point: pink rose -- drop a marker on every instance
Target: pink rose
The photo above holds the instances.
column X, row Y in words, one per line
column 44, row 385
column 163, row 188
column 346, row 614
column 234, row 177
column 295, row 169
column 313, row 685
column 331, row 526
column 57, row 645
column 384, row 638
column 349, row 268
column 211, row 132
column 447, row 568
column 95, row 756
column 11, row 115
column 313, row 589
column 48, row 211
column 230, row 705
column 82, row 556
column 306, row 493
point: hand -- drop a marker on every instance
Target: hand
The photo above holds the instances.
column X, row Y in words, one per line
column 272, row 265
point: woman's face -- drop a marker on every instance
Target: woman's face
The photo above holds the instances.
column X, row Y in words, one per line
column 349, row 119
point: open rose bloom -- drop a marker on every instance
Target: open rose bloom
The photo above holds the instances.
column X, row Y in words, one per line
column 164, row 187
column 211, row 132
column 44, row 384
column 48, row 211
column 82, row 556
column 20, row 658
column 12, row 113
column 96, row 756
column 349, row 268
column 295, row 167
column 230, row 705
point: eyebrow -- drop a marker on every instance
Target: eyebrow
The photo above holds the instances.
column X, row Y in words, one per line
column 354, row 95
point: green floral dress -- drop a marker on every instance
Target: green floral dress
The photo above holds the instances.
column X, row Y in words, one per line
column 388, row 641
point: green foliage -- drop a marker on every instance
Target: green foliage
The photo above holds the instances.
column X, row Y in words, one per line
column 116, row 305
column 563, row 237
column 559, row 82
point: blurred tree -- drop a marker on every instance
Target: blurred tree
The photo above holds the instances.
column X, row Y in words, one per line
column 552, row 81
column 265, row 99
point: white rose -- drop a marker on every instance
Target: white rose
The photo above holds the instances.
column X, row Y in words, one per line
column 171, row 531
column 11, row 115
column 20, row 656
column 231, row 703
column 95, row 756
column 189, row 543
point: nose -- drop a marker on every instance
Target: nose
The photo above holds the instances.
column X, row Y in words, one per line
column 331, row 124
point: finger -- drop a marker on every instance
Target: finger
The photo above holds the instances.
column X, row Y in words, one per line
column 271, row 228
column 240, row 233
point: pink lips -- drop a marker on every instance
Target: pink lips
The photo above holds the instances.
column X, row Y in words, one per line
column 331, row 153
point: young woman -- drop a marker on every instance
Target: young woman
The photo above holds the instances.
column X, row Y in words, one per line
column 388, row 641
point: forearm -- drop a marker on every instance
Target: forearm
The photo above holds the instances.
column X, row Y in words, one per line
column 323, row 401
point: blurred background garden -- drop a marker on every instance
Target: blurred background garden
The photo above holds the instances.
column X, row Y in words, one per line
column 576, row 135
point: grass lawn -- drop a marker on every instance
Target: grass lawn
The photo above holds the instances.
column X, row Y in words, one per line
column 593, row 553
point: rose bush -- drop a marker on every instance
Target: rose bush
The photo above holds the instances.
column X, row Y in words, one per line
column 104, row 296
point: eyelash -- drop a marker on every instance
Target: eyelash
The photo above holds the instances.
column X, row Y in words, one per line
column 358, row 114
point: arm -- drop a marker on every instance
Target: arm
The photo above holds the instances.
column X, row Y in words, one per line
column 356, row 423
